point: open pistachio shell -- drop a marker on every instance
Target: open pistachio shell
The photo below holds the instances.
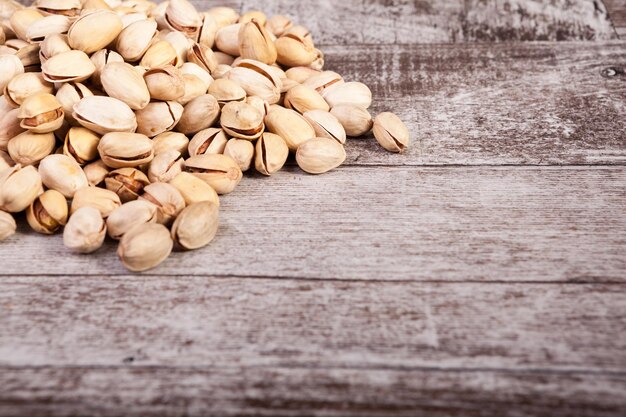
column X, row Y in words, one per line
column 94, row 30
column 105, row 114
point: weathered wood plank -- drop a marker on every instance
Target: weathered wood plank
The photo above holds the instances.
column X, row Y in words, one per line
column 617, row 15
column 407, row 223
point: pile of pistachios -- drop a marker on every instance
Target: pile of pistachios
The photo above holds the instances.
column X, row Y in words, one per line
column 128, row 118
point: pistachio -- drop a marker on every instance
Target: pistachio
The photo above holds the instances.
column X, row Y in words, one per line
column 165, row 166
column 158, row 117
column 94, row 30
column 135, row 39
column 19, row 187
column 196, row 226
column 255, row 43
column 182, row 16
column 242, row 120
column 225, row 91
column 100, row 59
column 170, row 141
column 227, row 39
column 323, row 80
column 271, row 153
column 193, row 189
column 10, row 66
column 200, row 113
column 319, row 62
column 301, row 74
column 7, row 225
column 201, row 73
column 105, row 114
column 29, row 56
column 48, row 213
column 355, row 119
column 22, row 19
column 69, row 8
column 49, row 25
column 159, row 54
column 129, row 215
column 221, row 172
column 123, row 82
column 224, row 16
column 278, row 24
column 208, row 30
column 25, row 85
column 90, row 5
column 99, row 198
column 181, row 45
column 41, row 113
column 9, row 127
column 302, row 99
column 241, row 151
column 96, row 172
column 68, row 66
column 221, row 71
column 122, row 149
column 5, row 161
column 390, row 132
column 326, row 125
column 294, row 50
column 257, row 79
column 63, row 174
column 167, row 198
column 81, row 144
column 53, row 45
column 85, row 231
column 354, row 93
column 319, row 155
column 165, row 83
column 145, row 246
column 127, row 183
column 289, row 125
column 258, row 103
column 29, row 148
column 211, row 140
column 68, row 95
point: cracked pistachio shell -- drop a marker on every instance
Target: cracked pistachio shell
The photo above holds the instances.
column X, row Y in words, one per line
column 224, row 16
column 193, row 189
column 294, row 50
column 289, row 125
column 158, row 117
column 123, row 82
column 322, row 80
column 355, row 119
column 85, row 231
column 10, row 66
column 301, row 74
column 180, row 43
column 127, row 183
column 257, row 15
column 390, row 132
column 165, row 83
column 257, row 79
column 194, row 87
column 278, row 24
column 196, row 226
column 19, row 187
column 211, row 140
column 48, row 213
column 81, row 144
column 63, row 174
column 354, row 93
column 22, row 19
column 225, row 90
column 24, row 85
column 100, row 59
column 242, row 121
column 221, row 172
column 227, row 39
column 135, row 39
column 53, row 45
column 7, row 225
column 121, row 149
column 105, row 114
column 208, row 30
column 271, row 154
column 202, row 56
column 319, row 155
column 167, row 198
column 5, row 161
column 182, row 16
column 326, row 125
column 221, row 71
column 241, row 151
column 68, row 66
column 69, row 8
column 49, row 25
column 165, row 166
column 68, row 95
column 94, row 30
column 29, row 148
column 170, row 141
column 129, row 215
column 257, row 102
column 318, row 64
column 105, row 201
column 29, row 55
column 302, row 99
column 9, row 127
column 198, row 71
column 145, row 246
column 255, row 43
column 159, row 54
column 41, row 113
column 200, row 113
column 96, row 172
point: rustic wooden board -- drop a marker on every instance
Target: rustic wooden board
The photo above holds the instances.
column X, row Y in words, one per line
column 617, row 15
column 396, row 223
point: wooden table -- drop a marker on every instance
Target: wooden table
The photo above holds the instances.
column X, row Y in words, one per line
column 480, row 274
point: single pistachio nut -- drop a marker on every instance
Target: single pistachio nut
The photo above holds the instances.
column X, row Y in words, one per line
column 159, row 54
column 288, row 84
column 10, row 66
column 319, row 62
column 94, row 30
column 355, row 93
column 29, row 148
column 105, row 114
column 208, row 30
column 221, row 71
column 85, row 231
column 69, row 8
column 256, row 43
column 211, row 140
column 194, row 87
column 390, row 132
column 127, row 183
column 68, row 66
column 158, row 117
column 271, row 154
column 25, row 85
column 250, row 15
column 301, row 74
column 99, row 198
column 122, row 149
column 123, row 82
column 200, row 113
column 7, row 225
column 302, row 99
column 326, row 125
column 145, row 246
column 257, row 79
column 320, row 155
column 241, row 151
column 129, row 215
column 100, row 59
column 22, row 19
column 170, row 141
column 202, row 56
column 41, row 113
column 241, row 120
column 165, row 166
column 96, row 172
column 355, row 119
column 6, row 161
column 180, row 43
column 135, row 39
column 294, row 50
column 53, row 45
column 81, row 144
column 63, row 174
column 9, row 127
column 221, row 172
column 91, row 5
column 193, row 189
column 323, row 80
column 224, row 16
column 68, row 95
column 261, row 105
column 289, row 125
column 19, row 187
column 301, row 32
column 165, row 83
column 167, row 198
column 227, row 39
column 278, row 24
column 49, row 25
column 182, row 16
column 196, row 226
column 198, row 71
column 48, row 213
column 225, row 91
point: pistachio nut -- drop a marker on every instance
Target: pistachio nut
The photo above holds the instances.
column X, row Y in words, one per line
column 99, row 198
column 68, row 95
column 278, row 24
column 48, row 213
column 145, row 246
column 9, row 127
column 180, row 43
column 165, row 83
column 355, row 119
column 301, row 74
column 96, row 172
column 104, row 114
column 302, row 99
column 41, row 113
column 135, row 39
column 123, row 82
column 10, row 66
column 224, row 16
column 7, row 225
column 198, row 71
column 81, row 144
column 123, row 149
column 301, row 32
column 25, row 85
column 170, row 141
column 221, row 71
column 319, row 62
column 165, row 166
column 53, row 45
column 208, row 30
column 241, row 120
column 196, row 226
column 323, row 80
column 223, row 59
column 68, row 66
column 227, row 39
column 258, row 103
column 225, row 91
column 63, row 174
column 85, row 231
column 129, row 215
column 49, row 25
column 194, row 87
column 29, row 148
column 257, row 15
column 69, row 8
column 241, row 151
column 211, row 140
column 94, row 30
column 390, row 132
column 29, row 56
column 354, row 93
column 326, row 125
column 319, row 155
column 90, row 5
column 182, row 16
column 22, row 19
column 271, row 154
column 294, row 50
column 159, row 54
column 167, row 198
column 19, row 186
column 12, row 46
column 255, row 43
column 200, row 113
column 193, row 189
column 158, row 117
column 5, row 161
column 221, row 172
column 257, row 79
column 127, row 183
column 100, row 59
column 202, row 56
column 289, row 125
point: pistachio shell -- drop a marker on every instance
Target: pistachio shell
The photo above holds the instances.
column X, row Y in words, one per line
column 41, row 113
column 294, row 51
column 182, row 16
column 105, row 201
column 19, row 187
column 158, row 117
column 49, row 25
column 165, row 83
column 167, row 198
column 10, row 66
column 100, row 59
column 257, row 79
column 208, row 30
column 145, row 246
column 68, row 95
column 355, row 119
column 227, row 39
column 94, row 30
column 170, row 141
column 289, row 125
column 133, row 42
column 255, row 43
column 29, row 148
column 5, row 161
column 48, row 213
column 354, row 93
column 128, row 183
column 193, row 189
column 302, row 99
column 53, row 45
column 198, row 71
column 322, row 80
column 390, row 132
column 200, row 113
column 105, row 114
column 242, row 120
column 181, row 45
column 165, row 166
column 241, row 151
column 81, row 144
column 96, row 172
column 7, row 225
column 123, row 149
column 69, row 8
column 68, row 66
column 160, row 54
column 22, row 19
column 211, row 140
column 9, row 127
column 271, row 153
column 194, row 87
column 129, row 215
column 225, row 91
column 85, row 231
column 320, row 155
column 278, row 24
column 196, row 226
column 63, row 174
column 326, row 125
column 202, row 56
column 123, row 82
column 24, row 85
column 301, row 74
column 224, row 16
column 221, row 172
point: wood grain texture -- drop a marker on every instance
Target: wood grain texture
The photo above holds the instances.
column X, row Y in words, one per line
column 395, row 223
column 617, row 15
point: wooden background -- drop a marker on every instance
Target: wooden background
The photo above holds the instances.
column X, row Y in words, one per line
column 483, row 273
